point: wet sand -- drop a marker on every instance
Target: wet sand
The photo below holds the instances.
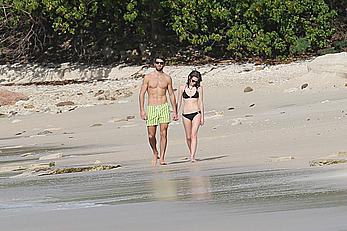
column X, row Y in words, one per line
column 178, row 216
column 179, row 199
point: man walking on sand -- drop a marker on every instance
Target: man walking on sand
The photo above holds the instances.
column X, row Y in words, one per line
column 157, row 84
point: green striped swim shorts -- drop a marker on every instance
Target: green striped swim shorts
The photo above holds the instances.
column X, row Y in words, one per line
column 158, row 114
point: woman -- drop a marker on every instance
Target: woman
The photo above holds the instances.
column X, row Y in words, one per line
column 190, row 98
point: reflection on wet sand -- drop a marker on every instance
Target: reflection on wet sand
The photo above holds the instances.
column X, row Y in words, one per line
column 194, row 187
column 164, row 189
column 201, row 188
column 200, row 185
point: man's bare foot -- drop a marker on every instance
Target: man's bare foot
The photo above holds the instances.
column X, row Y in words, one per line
column 155, row 159
column 154, row 163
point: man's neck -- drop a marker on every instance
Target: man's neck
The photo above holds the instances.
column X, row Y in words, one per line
column 159, row 72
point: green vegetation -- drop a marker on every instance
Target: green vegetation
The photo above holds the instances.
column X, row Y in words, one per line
column 113, row 31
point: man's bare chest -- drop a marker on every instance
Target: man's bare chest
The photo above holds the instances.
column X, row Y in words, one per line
column 158, row 83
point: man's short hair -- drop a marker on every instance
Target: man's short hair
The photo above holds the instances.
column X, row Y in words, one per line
column 159, row 57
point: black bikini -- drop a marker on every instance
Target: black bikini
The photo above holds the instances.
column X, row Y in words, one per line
column 191, row 116
column 186, row 96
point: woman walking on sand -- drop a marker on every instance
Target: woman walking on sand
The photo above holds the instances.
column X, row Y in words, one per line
column 190, row 98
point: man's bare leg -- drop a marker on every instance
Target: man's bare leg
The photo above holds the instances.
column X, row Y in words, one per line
column 153, row 142
column 163, row 142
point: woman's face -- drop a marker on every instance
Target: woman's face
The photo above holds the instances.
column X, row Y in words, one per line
column 193, row 81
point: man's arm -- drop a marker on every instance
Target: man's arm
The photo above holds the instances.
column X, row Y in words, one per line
column 143, row 90
column 172, row 99
column 179, row 98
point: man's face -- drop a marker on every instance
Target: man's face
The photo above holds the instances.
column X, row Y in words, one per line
column 159, row 64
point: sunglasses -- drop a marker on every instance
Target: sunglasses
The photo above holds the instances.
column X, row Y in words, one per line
column 161, row 63
column 195, row 81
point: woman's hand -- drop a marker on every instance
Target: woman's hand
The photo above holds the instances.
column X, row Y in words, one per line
column 202, row 121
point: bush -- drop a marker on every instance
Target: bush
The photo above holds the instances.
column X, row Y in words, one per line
column 265, row 28
column 102, row 31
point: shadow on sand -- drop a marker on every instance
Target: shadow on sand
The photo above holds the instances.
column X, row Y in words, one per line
column 198, row 160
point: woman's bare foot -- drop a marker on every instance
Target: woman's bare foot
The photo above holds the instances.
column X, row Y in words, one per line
column 192, row 159
column 162, row 161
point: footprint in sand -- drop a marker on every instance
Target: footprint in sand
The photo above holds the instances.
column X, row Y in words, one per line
column 116, row 120
column 337, row 158
column 19, row 133
column 43, row 133
column 28, row 154
column 216, row 126
column 327, row 162
column 336, row 155
column 326, row 101
column 236, row 121
column 52, row 156
column 214, row 114
column 341, row 154
column 290, row 90
column 11, row 147
column 280, row 158
column 95, row 125
column 53, row 129
column 130, row 125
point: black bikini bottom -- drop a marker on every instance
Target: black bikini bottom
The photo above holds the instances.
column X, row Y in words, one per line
column 191, row 116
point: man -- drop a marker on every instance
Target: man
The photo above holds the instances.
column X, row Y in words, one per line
column 157, row 84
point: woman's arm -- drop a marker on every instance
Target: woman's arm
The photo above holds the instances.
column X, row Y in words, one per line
column 201, row 105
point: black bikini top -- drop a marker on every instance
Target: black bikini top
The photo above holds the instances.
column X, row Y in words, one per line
column 186, row 96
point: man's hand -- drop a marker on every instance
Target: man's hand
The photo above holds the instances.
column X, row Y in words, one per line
column 175, row 116
column 143, row 115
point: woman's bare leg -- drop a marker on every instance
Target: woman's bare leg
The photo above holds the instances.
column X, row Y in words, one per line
column 194, row 136
column 188, row 130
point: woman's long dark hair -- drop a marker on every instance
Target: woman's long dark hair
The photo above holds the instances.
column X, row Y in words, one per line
column 196, row 74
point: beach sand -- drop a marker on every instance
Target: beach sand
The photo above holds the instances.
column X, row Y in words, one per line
column 262, row 141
